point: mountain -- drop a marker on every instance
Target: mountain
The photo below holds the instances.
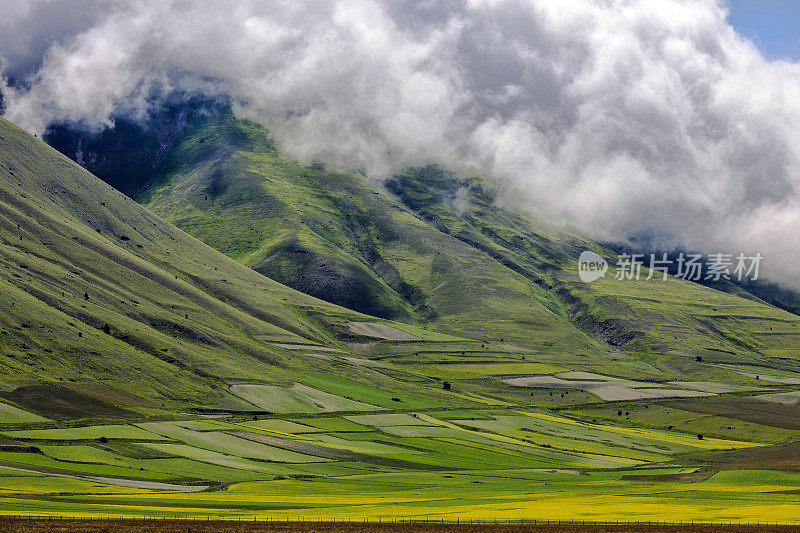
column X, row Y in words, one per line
column 130, row 154
column 342, row 237
column 428, row 246
column 147, row 373
column 137, row 301
column 97, row 289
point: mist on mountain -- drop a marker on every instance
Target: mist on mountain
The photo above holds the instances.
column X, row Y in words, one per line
column 605, row 117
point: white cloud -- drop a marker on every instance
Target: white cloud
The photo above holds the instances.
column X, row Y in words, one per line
column 608, row 115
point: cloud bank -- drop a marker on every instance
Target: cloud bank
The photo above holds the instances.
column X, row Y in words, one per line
column 610, row 116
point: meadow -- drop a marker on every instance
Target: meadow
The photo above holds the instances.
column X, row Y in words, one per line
column 412, row 460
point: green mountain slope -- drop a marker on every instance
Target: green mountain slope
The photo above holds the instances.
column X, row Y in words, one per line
column 344, row 238
column 433, row 247
column 663, row 321
column 96, row 288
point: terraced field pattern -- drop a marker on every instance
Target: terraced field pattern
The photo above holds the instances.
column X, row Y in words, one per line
column 326, row 447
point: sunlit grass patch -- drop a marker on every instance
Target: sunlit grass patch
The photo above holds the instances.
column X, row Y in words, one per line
column 86, row 433
column 651, row 434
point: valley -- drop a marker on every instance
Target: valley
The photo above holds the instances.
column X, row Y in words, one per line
column 262, row 339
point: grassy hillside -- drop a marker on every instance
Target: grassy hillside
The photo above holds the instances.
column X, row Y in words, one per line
column 95, row 288
column 667, row 323
column 346, row 239
column 130, row 154
column 431, row 247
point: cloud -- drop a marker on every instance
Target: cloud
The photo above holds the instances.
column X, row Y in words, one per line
column 611, row 116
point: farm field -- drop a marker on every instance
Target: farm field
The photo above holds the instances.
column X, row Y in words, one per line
column 330, row 447
column 158, row 525
column 364, row 455
column 487, row 463
column 526, row 494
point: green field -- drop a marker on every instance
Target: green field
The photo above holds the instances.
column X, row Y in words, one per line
column 369, row 393
column 528, row 494
column 13, row 415
column 86, row 433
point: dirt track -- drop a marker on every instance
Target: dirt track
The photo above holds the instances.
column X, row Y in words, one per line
column 199, row 526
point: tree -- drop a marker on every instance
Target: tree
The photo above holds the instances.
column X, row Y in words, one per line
column 446, row 385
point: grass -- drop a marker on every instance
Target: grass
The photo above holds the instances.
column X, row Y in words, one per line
column 499, row 465
column 83, row 454
column 44, row 463
column 426, row 334
column 143, row 330
column 397, row 419
column 365, row 393
column 480, row 370
column 276, row 399
column 280, row 426
column 229, row 444
column 61, row 403
column 367, row 447
column 297, row 399
column 184, row 468
column 538, row 427
column 330, row 424
column 764, row 371
column 532, row 494
column 180, row 316
column 678, row 439
column 660, row 416
column 222, row 459
column 112, row 431
column 746, row 410
column 14, row 415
